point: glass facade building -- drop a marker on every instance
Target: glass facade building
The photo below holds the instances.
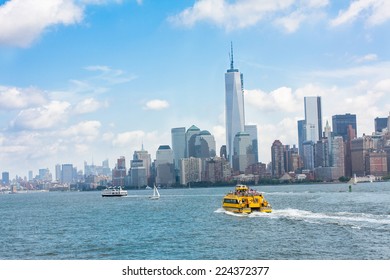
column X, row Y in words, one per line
column 234, row 106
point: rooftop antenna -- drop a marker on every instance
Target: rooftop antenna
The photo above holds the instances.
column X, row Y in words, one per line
column 231, row 56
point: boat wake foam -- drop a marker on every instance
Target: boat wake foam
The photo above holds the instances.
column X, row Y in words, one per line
column 352, row 220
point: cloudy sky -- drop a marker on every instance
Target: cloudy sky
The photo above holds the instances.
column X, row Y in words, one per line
column 94, row 79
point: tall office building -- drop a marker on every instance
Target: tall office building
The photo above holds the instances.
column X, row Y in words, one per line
column 165, row 171
column 380, row 124
column 234, row 105
column 5, row 178
column 140, row 168
column 190, row 170
column 301, row 135
column 252, row 131
column 146, row 159
column 340, row 125
column 67, row 174
column 204, row 145
column 119, row 172
column 178, row 137
column 191, row 133
column 277, row 154
column 313, row 118
column 242, row 152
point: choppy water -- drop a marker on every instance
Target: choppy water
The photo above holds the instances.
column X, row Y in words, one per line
column 308, row 222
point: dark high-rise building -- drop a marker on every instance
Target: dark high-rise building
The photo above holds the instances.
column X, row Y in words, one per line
column 301, row 135
column 380, row 123
column 277, row 153
column 5, row 178
column 340, row 124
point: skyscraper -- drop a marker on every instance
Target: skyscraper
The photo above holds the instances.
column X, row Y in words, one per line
column 313, row 118
column 301, row 135
column 178, row 135
column 165, row 171
column 252, row 130
column 191, row 134
column 380, row 123
column 277, row 153
column 234, row 105
column 340, row 125
column 243, row 155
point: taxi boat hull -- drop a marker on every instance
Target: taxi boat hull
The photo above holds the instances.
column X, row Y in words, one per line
column 245, row 201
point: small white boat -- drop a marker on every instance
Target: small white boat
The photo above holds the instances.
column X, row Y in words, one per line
column 156, row 194
column 114, row 191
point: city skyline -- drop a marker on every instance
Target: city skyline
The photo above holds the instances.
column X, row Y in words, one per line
column 96, row 81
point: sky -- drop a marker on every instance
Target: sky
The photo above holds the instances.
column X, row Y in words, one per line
column 89, row 80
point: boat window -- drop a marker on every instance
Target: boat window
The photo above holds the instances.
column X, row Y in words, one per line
column 227, row 200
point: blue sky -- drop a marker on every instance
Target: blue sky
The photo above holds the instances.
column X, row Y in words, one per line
column 94, row 79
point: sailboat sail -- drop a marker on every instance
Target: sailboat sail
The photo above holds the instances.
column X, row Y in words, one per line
column 156, row 194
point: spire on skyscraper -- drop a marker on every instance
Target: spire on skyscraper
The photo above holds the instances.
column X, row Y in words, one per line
column 231, row 56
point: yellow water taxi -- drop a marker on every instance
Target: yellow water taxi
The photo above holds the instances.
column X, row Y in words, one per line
column 244, row 201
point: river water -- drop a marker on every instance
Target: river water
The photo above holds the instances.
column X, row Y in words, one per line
column 321, row 221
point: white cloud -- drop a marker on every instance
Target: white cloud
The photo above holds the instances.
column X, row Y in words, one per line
column 88, row 105
column 373, row 12
column 18, row 98
column 109, row 75
column 44, row 117
column 281, row 99
column 85, row 131
column 156, row 104
column 241, row 14
column 23, row 21
column 367, row 58
column 129, row 138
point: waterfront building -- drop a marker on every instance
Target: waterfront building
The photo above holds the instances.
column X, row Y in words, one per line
column 67, row 174
column 106, row 168
column 340, row 125
column 58, row 172
column 30, row 175
column 313, row 118
column 190, row 170
column 242, row 153
column 5, row 178
column 277, row 154
column 321, row 153
column 308, row 155
column 137, row 172
column 146, row 159
column 178, row 138
column 119, row 172
column 191, row 133
column 252, row 130
column 376, row 163
column 301, row 135
column 217, row 170
column 204, row 145
column 338, row 157
column 165, row 170
column 359, row 149
column 380, row 124
column 351, row 134
column 234, row 106
column 291, row 158
column 45, row 175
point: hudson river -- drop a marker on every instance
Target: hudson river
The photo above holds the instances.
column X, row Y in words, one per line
column 308, row 222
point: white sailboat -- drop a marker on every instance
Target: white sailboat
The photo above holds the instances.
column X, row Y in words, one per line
column 156, row 194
